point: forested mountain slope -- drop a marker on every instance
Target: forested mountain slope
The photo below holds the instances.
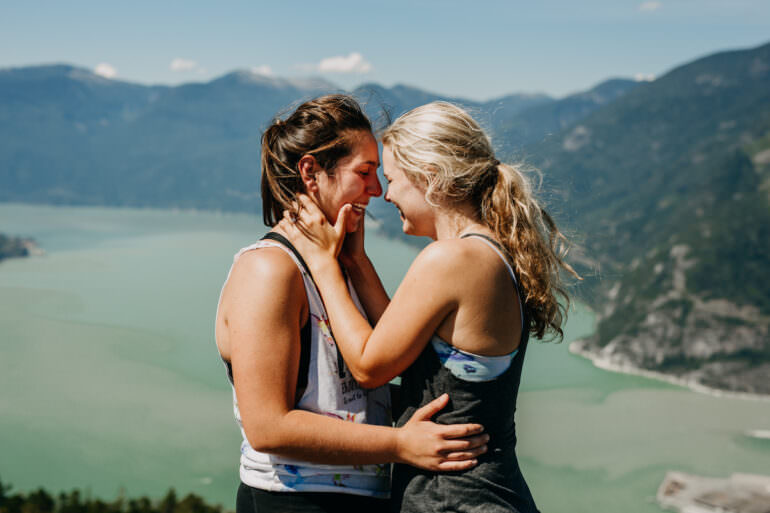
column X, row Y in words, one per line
column 669, row 187
column 68, row 136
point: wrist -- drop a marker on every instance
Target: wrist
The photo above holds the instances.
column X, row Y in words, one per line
column 398, row 445
column 356, row 262
column 322, row 263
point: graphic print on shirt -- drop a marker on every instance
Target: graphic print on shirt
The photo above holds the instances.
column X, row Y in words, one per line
column 323, row 326
column 349, row 387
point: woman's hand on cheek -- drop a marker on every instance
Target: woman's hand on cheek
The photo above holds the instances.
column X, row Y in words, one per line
column 353, row 246
column 312, row 234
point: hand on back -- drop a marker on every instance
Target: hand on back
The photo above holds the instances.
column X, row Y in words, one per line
column 437, row 447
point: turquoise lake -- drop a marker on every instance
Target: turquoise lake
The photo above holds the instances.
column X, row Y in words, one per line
column 111, row 382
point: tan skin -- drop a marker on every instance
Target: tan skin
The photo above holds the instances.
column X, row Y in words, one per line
column 262, row 309
column 456, row 288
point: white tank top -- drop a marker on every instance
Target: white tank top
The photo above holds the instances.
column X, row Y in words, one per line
column 330, row 391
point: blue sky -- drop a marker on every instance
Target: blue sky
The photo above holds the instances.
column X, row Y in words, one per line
column 472, row 49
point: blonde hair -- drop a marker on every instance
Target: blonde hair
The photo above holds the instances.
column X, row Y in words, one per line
column 442, row 148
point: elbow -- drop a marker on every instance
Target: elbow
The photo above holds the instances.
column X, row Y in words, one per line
column 262, row 441
column 264, row 436
column 370, row 378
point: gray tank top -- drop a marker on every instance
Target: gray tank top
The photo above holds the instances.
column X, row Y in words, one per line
column 496, row 484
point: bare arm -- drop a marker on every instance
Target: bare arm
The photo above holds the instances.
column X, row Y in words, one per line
column 364, row 276
column 263, row 317
column 422, row 301
column 369, row 287
column 376, row 355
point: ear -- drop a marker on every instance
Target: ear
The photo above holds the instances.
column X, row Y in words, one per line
column 308, row 167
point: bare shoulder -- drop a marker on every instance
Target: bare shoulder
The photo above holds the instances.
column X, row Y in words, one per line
column 264, row 289
column 446, row 255
column 459, row 262
column 270, row 263
column 265, row 273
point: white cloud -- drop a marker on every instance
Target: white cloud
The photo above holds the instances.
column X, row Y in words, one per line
column 105, row 70
column 180, row 64
column 644, row 77
column 353, row 63
column 263, row 70
column 650, row 6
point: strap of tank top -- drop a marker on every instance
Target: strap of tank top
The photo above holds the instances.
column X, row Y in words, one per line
column 340, row 361
column 305, row 331
column 285, row 242
column 502, row 253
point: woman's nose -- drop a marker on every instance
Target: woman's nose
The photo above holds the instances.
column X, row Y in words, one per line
column 373, row 186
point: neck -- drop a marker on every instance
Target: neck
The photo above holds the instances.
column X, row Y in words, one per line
column 453, row 223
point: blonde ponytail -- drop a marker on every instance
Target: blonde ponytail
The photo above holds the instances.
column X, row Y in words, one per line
column 536, row 246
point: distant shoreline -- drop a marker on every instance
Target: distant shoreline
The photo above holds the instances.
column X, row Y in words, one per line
column 605, row 364
column 18, row 247
column 135, row 208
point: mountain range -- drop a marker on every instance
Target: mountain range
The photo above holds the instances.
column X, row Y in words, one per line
column 668, row 188
column 68, row 136
column 663, row 185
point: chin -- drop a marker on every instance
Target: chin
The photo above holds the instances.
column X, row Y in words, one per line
column 413, row 230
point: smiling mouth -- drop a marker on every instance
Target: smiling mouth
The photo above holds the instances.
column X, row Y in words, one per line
column 359, row 208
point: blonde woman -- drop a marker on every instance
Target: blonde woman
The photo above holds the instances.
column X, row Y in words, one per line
column 460, row 321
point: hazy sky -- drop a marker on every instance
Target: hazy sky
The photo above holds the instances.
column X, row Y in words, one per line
column 473, row 49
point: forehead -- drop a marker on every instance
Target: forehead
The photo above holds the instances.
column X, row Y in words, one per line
column 389, row 164
column 364, row 149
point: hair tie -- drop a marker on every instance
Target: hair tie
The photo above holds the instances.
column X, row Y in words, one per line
column 494, row 172
column 488, row 180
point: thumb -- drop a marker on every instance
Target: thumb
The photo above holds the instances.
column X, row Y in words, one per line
column 342, row 220
column 432, row 408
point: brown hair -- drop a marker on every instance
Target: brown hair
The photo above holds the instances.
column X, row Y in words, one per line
column 441, row 147
column 322, row 127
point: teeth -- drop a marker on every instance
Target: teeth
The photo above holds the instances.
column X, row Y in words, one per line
column 359, row 207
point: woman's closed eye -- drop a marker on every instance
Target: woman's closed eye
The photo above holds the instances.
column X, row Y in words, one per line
column 366, row 171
